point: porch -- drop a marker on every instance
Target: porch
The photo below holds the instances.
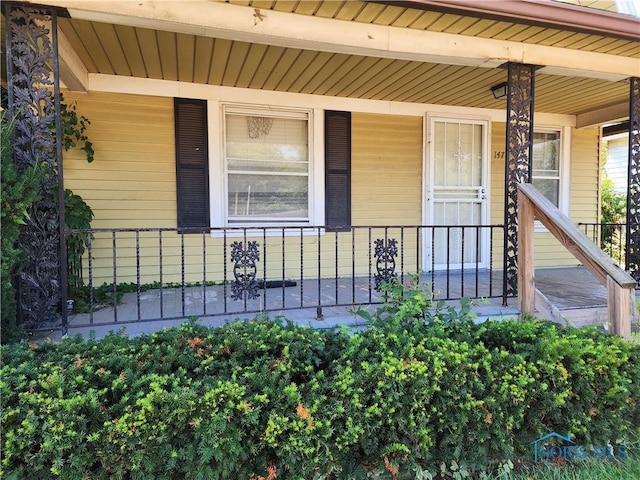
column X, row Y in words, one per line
column 575, row 292
column 307, row 274
column 392, row 109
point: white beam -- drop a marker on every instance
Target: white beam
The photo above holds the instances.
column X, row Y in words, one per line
column 610, row 114
column 234, row 22
column 170, row 88
column 73, row 72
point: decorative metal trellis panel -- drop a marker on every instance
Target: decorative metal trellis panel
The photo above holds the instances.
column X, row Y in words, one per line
column 385, row 253
column 33, row 94
column 245, row 269
column 632, row 264
column 519, row 152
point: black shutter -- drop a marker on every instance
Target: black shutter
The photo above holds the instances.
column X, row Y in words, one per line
column 337, row 144
column 192, row 163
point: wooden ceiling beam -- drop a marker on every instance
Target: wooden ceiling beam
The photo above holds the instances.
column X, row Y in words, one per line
column 234, row 22
column 73, row 73
column 610, row 114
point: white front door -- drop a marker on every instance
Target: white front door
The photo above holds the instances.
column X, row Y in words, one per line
column 457, row 192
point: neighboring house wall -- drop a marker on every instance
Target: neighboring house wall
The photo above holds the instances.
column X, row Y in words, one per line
column 616, row 166
column 131, row 184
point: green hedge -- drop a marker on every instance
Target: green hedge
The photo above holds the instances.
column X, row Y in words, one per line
column 264, row 398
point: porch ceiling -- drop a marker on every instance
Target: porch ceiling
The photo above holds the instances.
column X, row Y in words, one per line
column 135, row 51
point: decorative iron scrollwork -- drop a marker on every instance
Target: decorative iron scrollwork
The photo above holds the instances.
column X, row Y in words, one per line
column 385, row 253
column 32, row 87
column 519, row 148
column 632, row 263
column 245, row 284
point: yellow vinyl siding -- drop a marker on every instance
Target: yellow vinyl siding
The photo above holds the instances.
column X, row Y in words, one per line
column 496, row 205
column 585, row 175
column 497, row 153
column 584, row 180
column 131, row 182
column 386, row 179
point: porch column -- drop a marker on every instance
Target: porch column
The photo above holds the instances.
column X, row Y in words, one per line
column 33, row 100
column 519, row 152
column 632, row 262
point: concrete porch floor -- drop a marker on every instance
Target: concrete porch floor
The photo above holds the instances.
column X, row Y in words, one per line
column 570, row 289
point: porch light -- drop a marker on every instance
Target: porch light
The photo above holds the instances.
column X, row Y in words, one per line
column 499, row 91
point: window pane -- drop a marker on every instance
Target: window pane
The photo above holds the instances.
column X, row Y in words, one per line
column 477, row 154
column 546, row 151
column 465, row 154
column 439, row 154
column 546, row 173
column 267, row 167
column 448, row 242
column 275, row 144
column 546, row 164
column 277, row 196
column 457, row 154
column 549, row 188
column 452, row 154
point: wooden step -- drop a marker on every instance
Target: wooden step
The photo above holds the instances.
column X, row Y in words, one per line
column 581, row 317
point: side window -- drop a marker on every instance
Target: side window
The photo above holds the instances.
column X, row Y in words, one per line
column 546, row 164
column 192, row 163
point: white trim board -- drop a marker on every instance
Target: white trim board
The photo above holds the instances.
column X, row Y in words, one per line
column 169, row 88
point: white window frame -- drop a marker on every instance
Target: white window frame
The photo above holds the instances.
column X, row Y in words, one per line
column 563, row 168
column 218, row 174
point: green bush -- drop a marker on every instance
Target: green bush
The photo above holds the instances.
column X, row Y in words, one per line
column 78, row 216
column 18, row 192
column 613, row 210
column 586, row 382
column 263, row 398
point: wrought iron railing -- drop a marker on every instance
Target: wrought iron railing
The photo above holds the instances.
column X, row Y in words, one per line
column 146, row 274
column 610, row 237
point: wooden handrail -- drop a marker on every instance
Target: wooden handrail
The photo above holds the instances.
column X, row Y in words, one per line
column 620, row 285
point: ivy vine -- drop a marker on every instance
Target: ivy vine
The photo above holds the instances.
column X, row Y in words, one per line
column 73, row 129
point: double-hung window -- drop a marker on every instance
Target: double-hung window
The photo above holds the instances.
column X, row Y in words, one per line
column 267, row 166
column 546, row 164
